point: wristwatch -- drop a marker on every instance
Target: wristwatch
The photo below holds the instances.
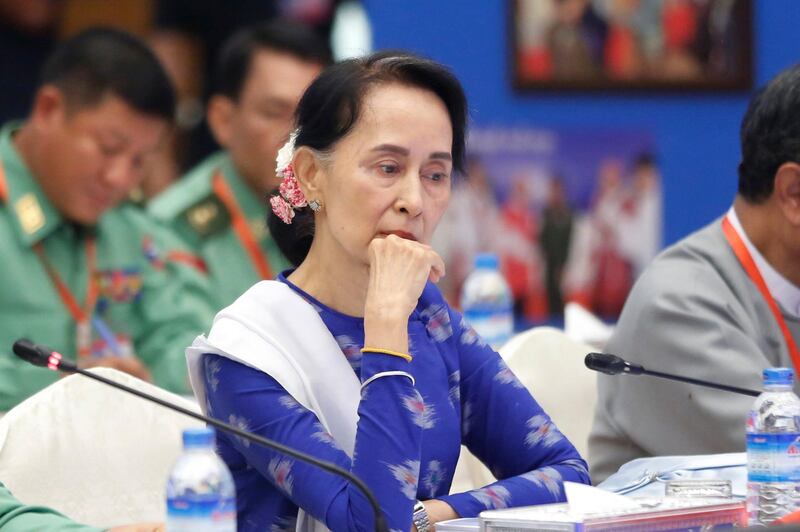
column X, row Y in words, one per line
column 420, row 518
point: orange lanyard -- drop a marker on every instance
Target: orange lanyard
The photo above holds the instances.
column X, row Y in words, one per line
column 3, row 186
column 82, row 316
column 241, row 227
column 749, row 265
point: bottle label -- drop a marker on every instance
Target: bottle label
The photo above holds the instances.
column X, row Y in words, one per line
column 186, row 514
column 494, row 327
column 773, row 457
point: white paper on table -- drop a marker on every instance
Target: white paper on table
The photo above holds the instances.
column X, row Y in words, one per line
column 585, row 499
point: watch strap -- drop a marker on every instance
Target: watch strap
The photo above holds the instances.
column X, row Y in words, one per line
column 421, row 519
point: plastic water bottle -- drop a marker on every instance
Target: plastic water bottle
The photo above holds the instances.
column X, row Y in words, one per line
column 201, row 496
column 486, row 300
column 773, row 449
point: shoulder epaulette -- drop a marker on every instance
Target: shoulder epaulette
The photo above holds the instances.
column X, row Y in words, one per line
column 207, row 216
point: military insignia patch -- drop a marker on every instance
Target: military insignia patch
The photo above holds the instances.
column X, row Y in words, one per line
column 30, row 214
column 121, row 285
column 208, row 216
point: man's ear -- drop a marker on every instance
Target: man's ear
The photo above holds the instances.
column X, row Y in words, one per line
column 310, row 173
column 787, row 191
column 220, row 118
column 49, row 107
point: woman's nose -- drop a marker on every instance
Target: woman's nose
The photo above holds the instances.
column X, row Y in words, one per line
column 409, row 199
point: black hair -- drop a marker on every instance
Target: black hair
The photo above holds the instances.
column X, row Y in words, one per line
column 294, row 240
column 233, row 63
column 770, row 135
column 102, row 61
column 331, row 107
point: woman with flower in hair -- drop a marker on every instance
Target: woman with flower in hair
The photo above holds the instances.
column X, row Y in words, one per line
column 354, row 356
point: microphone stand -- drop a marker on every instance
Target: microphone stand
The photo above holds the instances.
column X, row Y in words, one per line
column 41, row 356
column 707, row 384
column 614, row 365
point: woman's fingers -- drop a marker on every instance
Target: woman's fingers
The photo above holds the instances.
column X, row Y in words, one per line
column 437, row 267
column 399, row 269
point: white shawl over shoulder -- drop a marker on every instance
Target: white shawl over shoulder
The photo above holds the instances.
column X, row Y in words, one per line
column 273, row 329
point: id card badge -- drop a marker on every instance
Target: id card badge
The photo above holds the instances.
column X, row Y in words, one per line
column 83, row 338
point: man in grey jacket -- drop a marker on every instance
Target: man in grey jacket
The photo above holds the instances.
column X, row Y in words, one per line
column 697, row 309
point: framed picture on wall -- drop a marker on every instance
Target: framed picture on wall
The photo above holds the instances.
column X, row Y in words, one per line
column 631, row 44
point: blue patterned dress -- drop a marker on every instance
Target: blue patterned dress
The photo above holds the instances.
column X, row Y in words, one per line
column 408, row 437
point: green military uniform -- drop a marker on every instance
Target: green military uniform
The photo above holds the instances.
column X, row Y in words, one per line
column 18, row 517
column 152, row 305
column 199, row 216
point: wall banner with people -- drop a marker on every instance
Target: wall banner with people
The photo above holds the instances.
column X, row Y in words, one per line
column 574, row 214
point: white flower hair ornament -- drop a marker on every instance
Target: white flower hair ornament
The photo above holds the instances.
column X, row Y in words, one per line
column 289, row 197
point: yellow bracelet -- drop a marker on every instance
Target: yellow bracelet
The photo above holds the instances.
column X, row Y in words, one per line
column 404, row 356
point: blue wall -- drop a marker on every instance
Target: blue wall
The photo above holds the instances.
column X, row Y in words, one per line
column 696, row 134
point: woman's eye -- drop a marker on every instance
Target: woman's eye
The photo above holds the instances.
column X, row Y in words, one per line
column 438, row 176
column 389, row 169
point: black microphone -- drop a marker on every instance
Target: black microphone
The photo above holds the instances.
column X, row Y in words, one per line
column 614, row 365
column 43, row 356
column 40, row 355
column 611, row 364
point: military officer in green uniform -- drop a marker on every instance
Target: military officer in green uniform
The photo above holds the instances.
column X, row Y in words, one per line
column 83, row 272
column 219, row 208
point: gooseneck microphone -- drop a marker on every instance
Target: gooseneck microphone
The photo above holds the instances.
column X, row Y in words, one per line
column 614, row 365
column 39, row 355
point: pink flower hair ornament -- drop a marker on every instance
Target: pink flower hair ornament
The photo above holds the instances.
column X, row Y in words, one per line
column 282, row 209
column 289, row 197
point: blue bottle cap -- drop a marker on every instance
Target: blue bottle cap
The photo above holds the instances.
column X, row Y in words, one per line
column 199, row 437
column 779, row 376
column 487, row 261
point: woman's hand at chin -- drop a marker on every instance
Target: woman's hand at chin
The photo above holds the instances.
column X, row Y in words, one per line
column 399, row 269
